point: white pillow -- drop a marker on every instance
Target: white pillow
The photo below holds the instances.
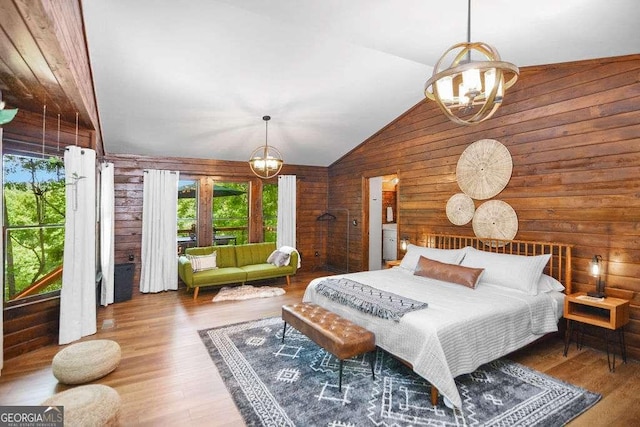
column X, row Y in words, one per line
column 549, row 284
column 517, row 272
column 448, row 256
column 278, row 258
column 203, row 262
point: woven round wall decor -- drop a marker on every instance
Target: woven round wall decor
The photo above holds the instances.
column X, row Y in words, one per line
column 460, row 209
column 495, row 219
column 484, row 169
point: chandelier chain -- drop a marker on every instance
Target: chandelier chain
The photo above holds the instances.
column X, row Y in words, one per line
column 469, row 24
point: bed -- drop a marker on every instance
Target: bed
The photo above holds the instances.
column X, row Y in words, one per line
column 517, row 299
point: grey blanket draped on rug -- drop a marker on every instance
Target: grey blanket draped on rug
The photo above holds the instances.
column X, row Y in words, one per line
column 367, row 299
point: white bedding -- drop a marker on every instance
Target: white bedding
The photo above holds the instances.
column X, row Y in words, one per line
column 461, row 329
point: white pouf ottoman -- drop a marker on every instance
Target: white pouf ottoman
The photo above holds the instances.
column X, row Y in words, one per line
column 88, row 405
column 86, row 361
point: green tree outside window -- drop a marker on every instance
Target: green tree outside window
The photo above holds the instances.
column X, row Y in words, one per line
column 187, row 214
column 231, row 212
column 270, row 211
column 33, row 215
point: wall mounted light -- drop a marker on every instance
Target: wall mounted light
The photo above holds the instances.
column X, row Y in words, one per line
column 404, row 243
column 595, row 268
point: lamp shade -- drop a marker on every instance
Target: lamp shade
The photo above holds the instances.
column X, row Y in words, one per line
column 404, row 243
column 595, row 266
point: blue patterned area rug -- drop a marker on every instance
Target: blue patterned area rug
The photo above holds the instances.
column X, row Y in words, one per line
column 296, row 383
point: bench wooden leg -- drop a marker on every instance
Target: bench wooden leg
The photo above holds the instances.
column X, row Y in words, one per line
column 434, row 396
column 288, row 281
column 195, row 292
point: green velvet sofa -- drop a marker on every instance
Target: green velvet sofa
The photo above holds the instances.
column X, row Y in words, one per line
column 235, row 264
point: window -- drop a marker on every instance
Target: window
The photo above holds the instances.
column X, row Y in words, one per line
column 270, row 211
column 187, row 214
column 230, row 213
column 34, row 200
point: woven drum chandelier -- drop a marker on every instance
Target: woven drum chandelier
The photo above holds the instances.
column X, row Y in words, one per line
column 266, row 161
column 471, row 89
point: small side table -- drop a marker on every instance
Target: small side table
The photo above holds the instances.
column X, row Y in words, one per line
column 611, row 314
column 392, row 263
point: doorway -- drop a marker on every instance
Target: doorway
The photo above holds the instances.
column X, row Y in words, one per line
column 382, row 216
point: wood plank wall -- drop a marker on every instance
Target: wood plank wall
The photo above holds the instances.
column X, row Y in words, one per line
column 44, row 60
column 311, row 200
column 33, row 325
column 24, row 134
column 30, row 326
column 573, row 131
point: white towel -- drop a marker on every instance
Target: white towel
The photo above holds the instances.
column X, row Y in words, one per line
column 289, row 250
column 389, row 214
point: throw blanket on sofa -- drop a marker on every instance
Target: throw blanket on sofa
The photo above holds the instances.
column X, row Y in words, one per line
column 367, row 299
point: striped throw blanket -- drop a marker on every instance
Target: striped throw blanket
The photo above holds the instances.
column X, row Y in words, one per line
column 367, row 299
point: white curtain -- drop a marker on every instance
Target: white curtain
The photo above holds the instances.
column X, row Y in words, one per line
column 107, row 203
column 286, row 230
column 159, row 271
column 1, row 269
column 78, row 294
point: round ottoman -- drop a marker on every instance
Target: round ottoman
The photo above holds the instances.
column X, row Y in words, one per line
column 86, row 361
column 88, row 405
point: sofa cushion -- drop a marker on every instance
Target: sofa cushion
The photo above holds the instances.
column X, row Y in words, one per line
column 253, row 253
column 203, row 250
column 219, row 276
column 226, row 256
column 266, row 271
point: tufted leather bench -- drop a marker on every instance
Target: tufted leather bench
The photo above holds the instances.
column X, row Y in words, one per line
column 339, row 336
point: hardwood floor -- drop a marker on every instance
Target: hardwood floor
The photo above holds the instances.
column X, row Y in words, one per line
column 167, row 378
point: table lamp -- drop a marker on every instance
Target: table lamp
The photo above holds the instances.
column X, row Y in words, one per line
column 595, row 266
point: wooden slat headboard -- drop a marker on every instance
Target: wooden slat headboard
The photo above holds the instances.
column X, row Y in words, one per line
column 558, row 267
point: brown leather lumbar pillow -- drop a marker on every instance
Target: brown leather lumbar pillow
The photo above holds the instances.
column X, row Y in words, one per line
column 448, row 272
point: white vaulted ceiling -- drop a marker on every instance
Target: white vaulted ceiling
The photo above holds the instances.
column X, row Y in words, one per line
column 194, row 78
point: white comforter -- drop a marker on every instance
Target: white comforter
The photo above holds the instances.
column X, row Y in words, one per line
column 460, row 330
